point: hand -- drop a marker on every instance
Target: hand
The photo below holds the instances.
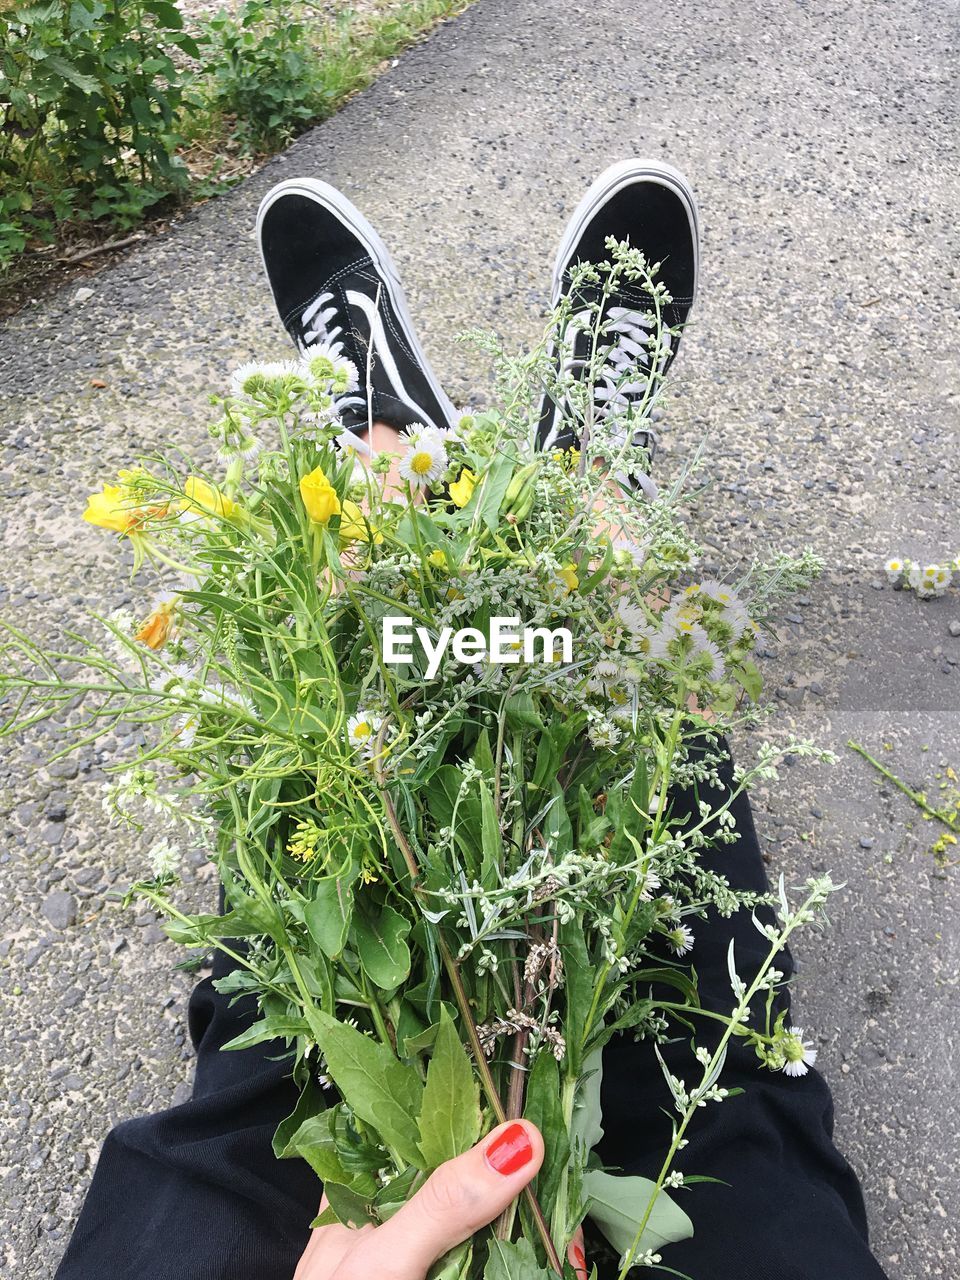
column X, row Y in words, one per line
column 458, row 1199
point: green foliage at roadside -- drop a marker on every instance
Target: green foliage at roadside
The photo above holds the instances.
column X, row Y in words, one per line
column 101, row 100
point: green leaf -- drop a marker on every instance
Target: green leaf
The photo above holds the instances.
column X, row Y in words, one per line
column 327, row 914
column 544, row 1109
column 453, row 1265
column 601, row 571
column 514, row 1261
column 382, row 946
column 61, row 67
column 521, row 713
column 586, row 1128
column 491, row 846
column 578, row 990
column 268, row 1029
column 749, row 676
column 391, row 1198
column 617, row 1206
column 450, row 1117
column 253, row 913
column 377, row 1086
column 494, row 487
column 351, row 1208
column 308, row 1105
column 313, row 1141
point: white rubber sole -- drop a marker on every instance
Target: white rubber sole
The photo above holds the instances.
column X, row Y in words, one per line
column 623, row 174
column 336, row 202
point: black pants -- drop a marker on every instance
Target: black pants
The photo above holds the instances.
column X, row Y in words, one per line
column 195, row 1193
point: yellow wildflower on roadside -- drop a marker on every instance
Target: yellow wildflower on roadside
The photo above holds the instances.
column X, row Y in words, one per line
column 461, row 491
column 319, row 496
column 202, row 494
column 156, row 629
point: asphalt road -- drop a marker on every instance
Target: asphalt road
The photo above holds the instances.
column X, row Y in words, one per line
column 822, row 140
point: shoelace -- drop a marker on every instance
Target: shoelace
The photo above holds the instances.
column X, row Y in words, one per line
column 630, row 331
column 316, row 325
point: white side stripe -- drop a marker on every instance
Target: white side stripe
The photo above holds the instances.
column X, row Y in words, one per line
column 382, row 348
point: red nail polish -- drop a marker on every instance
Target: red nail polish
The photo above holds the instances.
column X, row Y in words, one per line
column 579, row 1258
column 510, row 1150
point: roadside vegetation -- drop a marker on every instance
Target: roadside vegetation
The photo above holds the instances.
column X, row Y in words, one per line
column 113, row 113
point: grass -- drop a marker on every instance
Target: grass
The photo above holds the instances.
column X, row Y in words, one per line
column 338, row 57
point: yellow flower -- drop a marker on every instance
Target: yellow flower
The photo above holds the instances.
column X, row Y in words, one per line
column 319, row 496
column 201, row 494
column 568, row 576
column 353, row 525
column 114, row 507
column 438, row 558
column 368, row 875
column 461, row 491
column 155, row 630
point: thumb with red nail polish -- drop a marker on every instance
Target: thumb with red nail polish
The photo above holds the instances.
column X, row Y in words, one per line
column 457, row 1199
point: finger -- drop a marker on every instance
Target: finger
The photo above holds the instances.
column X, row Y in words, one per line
column 576, row 1255
column 458, row 1199
column 326, row 1248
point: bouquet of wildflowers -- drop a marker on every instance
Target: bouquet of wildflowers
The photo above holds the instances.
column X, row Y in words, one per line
column 431, row 735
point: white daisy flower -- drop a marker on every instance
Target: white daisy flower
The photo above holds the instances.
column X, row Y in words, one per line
column 248, row 379
column 680, row 939
column 244, row 446
column 941, row 579
column 326, row 365
column 930, row 580
column 704, row 648
column 224, row 698
column 894, row 569
column 799, row 1054
column 604, row 734
column 626, row 552
column 362, row 730
column 606, row 675
column 650, row 883
column 187, row 734
column 425, row 460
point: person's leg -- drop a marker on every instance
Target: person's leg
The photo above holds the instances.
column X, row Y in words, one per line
column 788, row 1206
column 196, row 1193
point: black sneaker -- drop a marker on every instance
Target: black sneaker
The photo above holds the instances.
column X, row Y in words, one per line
column 334, row 283
column 653, row 206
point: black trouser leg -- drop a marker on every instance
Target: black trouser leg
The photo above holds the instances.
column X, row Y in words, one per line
column 196, row 1193
column 791, row 1208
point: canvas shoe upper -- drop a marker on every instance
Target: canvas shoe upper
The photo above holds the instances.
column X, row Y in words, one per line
column 334, row 283
column 651, row 205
